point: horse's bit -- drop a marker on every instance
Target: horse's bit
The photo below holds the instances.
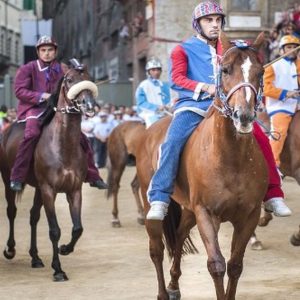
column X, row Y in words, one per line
column 226, row 110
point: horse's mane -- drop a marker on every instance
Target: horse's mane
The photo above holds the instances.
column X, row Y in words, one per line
column 51, row 103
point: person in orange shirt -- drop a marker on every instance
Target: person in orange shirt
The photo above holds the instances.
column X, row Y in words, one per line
column 282, row 91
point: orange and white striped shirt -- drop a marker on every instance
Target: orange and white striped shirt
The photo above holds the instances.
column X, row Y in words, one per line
column 279, row 78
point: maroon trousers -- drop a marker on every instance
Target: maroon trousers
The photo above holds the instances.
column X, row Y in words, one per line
column 274, row 189
column 27, row 146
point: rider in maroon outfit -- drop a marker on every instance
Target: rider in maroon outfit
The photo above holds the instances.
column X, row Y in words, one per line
column 34, row 84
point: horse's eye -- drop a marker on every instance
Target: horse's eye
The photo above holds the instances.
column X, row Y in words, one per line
column 225, row 70
column 69, row 80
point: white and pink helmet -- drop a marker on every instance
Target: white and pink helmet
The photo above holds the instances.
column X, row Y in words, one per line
column 45, row 40
column 206, row 8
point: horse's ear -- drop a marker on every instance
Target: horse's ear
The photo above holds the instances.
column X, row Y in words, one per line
column 65, row 68
column 224, row 42
column 259, row 41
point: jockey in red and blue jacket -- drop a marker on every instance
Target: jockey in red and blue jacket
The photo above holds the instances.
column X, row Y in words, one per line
column 187, row 76
column 34, row 84
column 193, row 75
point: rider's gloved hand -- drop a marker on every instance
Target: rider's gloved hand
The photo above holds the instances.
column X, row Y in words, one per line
column 209, row 88
column 293, row 94
column 46, row 96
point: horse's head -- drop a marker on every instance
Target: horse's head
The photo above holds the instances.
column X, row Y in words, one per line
column 79, row 91
column 239, row 84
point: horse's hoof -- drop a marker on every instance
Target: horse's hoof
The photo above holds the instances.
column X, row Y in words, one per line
column 174, row 294
column 141, row 220
column 64, row 250
column 116, row 223
column 9, row 254
column 37, row 263
column 59, row 277
column 264, row 221
column 294, row 240
column 257, row 245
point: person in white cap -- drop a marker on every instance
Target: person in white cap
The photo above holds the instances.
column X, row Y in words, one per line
column 152, row 95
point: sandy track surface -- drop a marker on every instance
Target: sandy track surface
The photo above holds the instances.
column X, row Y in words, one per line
column 111, row 264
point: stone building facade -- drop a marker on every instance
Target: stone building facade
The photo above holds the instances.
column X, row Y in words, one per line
column 10, row 36
column 11, row 55
column 116, row 37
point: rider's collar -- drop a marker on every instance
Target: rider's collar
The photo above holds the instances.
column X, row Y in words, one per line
column 155, row 81
column 206, row 41
column 201, row 38
column 290, row 59
column 44, row 66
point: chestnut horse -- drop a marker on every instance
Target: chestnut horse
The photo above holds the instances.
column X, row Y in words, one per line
column 289, row 159
column 222, row 176
column 122, row 142
column 59, row 166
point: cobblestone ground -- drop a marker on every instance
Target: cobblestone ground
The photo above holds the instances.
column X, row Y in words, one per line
column 110, row 264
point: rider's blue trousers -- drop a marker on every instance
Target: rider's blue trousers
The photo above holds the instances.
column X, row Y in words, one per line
column 162, row 183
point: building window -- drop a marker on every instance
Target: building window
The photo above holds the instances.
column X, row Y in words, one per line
column 114, row 40
column 245, row 5
column 17, row 52
column 2, row 44
column 8, row 47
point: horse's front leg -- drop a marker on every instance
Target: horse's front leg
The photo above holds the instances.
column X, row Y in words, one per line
column 11, row 212
column 35, row 213
column 187, row 221
column 75, row 200
column 215, row 263
column 48, row 197
column 156, row 249
column 241, row 235
column 135, row 186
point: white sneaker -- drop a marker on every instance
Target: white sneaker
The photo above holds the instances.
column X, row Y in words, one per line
column 278, row 207
column 158, row 210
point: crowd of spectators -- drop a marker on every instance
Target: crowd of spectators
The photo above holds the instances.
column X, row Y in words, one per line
column 98, row 128
column 7, row 116
column 289, row 24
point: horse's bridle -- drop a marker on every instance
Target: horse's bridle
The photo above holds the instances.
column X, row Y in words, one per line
column 72, row 109
column 226, row 110
column 75, row 106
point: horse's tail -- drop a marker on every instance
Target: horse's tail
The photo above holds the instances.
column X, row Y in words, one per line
column 170, row 225
column 109, row 190
column 19, row 195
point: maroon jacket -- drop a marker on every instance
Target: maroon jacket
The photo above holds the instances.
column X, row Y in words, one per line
column 32, row 80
